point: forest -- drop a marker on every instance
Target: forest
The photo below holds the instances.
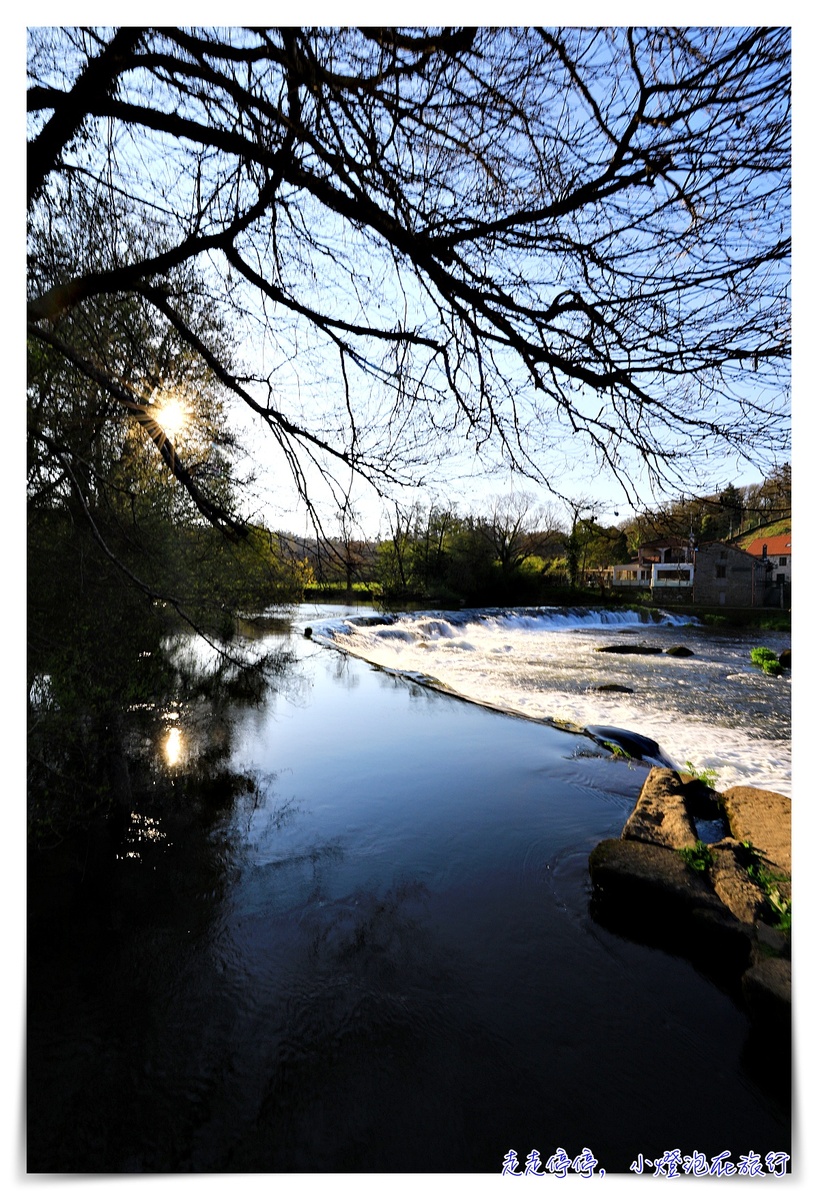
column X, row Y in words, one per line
column 518, row 551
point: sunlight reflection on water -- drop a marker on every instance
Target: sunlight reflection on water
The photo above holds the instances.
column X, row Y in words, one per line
column 174, row 747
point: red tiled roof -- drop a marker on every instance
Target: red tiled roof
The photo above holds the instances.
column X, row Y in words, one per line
column 780, row 544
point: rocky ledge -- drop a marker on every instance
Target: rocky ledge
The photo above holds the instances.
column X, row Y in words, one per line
column 725, row 903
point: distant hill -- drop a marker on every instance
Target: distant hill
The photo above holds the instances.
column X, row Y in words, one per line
column 774, row 529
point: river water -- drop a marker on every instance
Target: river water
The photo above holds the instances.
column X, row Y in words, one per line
column 381, row 957
column 712, row 709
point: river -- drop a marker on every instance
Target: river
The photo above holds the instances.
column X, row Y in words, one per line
column 711, row 708
column 380, row 958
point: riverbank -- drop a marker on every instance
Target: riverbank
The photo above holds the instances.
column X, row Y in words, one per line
column 379, row 959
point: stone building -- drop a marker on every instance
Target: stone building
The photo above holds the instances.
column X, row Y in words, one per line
column 713, row 573
column 725, row 575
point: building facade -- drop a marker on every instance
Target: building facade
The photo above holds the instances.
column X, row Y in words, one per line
column 727, row 576
column 713, row 573
column 776, row 554
column 667, row 563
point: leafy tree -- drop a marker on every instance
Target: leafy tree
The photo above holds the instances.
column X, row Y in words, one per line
column 485, row 557
column 715, row 517
column 118, row 546
column 602, row 546
column 533, row 237
column 415, row 559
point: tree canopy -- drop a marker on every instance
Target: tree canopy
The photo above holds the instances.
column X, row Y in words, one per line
column 569, row 242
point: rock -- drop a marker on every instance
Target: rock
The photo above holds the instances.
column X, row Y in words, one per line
column 628, row 650
column 639, row 874
column 308, row 632
column 613, row 687
column 785, row 659
column 679, row 652
column 765, row 820
column 731, row 883
column 775, row 940
column 648, row 892
column 643, row 888
column 703, row 802
column 767, row 990
column 635, row 745
column 661, row 816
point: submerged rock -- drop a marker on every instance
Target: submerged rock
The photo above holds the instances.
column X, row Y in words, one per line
column 635, row 745
column 627, row 649
column 785, row 659
column 613, row 687
column 679, row 652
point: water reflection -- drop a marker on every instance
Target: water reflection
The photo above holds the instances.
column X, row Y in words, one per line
column 341, row 949
column 142, row 830
column 174, row 746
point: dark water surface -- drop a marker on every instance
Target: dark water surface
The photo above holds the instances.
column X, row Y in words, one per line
column 382, row 961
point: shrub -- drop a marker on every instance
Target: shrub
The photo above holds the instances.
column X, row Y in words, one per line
column 766, row 659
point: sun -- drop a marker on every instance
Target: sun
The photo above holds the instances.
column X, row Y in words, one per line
column 172, row 416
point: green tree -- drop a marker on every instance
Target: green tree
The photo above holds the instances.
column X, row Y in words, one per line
column 121, row 545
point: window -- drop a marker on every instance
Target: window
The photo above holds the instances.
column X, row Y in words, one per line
column 721, row 571
column 782, row 562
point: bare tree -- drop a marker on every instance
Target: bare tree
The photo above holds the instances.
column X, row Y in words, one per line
column 517, row 528
column 544, row 239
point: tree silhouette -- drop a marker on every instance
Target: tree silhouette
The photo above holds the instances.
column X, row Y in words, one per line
column 570, row 240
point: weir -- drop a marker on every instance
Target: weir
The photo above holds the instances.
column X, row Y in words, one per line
column 700, row 704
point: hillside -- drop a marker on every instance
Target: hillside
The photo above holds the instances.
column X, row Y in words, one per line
column 774, row 529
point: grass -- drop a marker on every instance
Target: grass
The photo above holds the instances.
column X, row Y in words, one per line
column 618, row 751
column 705, row 775
column 698, row 857
column 338, row 587
column 781, row 906
column 716, row 620
column 776, row 624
